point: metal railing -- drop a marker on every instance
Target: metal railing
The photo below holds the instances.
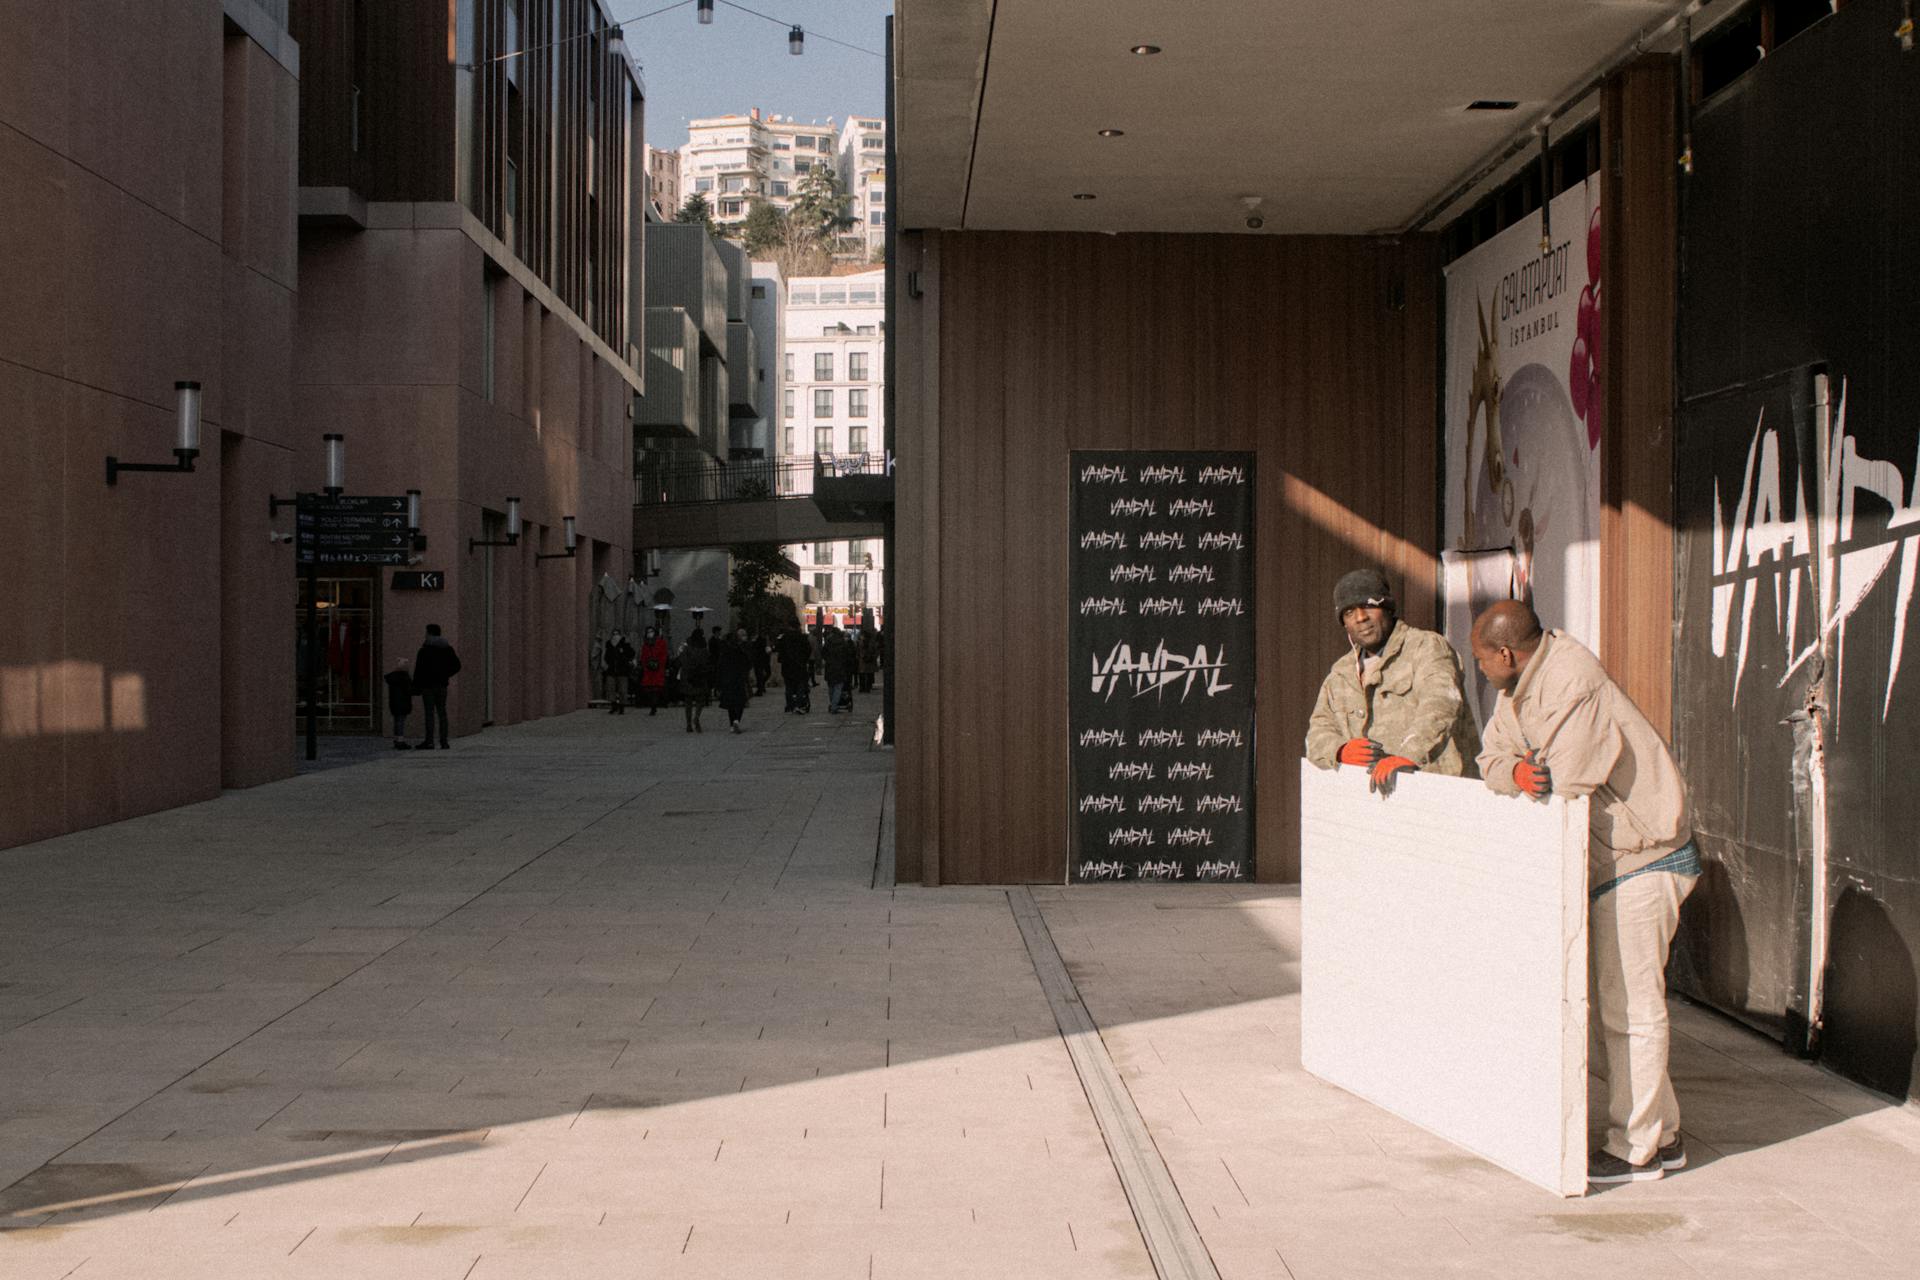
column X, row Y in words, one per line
column 849, row 464
column 667, row 481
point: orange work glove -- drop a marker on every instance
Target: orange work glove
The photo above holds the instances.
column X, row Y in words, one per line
column 1533, row 778
column 1384, row 773
column 1363, row 752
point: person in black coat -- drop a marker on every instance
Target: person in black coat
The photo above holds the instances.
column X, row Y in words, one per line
column 796, row 667
column 433, row 667
column 841, row 663
column 696, row 677
column 617, row 662
column 762, row 662
column 400, row 703
column 732, row 674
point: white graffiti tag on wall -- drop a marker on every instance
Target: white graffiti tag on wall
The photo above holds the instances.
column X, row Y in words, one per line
column 1773, row 536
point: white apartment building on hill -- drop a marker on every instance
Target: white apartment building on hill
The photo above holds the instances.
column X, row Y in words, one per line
column 862, row 160
column 833, row 370
column 732, row 160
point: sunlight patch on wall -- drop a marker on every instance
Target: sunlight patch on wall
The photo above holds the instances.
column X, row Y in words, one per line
column 51, row 699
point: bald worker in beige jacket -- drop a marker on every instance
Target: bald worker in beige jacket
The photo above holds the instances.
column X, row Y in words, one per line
column 1561, row 725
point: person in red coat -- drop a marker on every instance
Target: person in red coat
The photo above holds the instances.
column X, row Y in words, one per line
column 653, row 670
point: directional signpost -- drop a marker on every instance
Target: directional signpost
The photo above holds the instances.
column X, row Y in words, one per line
column 353, row 530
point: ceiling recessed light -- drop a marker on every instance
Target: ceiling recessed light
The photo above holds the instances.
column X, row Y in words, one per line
column 1491, row 104
column 1113, row 133
column 1085, row 195
column 1145, row 50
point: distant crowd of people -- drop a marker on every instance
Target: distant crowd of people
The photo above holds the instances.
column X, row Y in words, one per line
column 730, row 669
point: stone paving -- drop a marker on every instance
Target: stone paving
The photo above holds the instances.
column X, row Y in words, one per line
column 594, row 997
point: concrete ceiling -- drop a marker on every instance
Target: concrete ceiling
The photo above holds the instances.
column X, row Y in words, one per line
column 1345, row 116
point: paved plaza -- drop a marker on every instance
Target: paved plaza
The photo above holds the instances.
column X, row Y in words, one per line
column 591, row 997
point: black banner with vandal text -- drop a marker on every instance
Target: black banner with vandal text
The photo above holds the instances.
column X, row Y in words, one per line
column 1160, row 666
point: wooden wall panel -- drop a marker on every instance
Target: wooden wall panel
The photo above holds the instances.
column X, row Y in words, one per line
column 1639, row 224
column 1315, row 353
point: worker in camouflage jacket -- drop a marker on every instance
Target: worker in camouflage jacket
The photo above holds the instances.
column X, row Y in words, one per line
column 1394, row 702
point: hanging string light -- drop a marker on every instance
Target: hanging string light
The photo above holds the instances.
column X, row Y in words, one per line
column 705, row 10
column 796, row 41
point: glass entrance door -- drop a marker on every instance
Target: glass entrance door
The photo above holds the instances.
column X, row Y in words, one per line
column 346, row 656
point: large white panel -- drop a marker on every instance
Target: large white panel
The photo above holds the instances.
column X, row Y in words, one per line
column 1444, row 962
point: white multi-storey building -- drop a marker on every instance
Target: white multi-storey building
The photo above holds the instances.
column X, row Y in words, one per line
column 833, row 369
column 734, row 160
column 861, row 158
column 663, row 182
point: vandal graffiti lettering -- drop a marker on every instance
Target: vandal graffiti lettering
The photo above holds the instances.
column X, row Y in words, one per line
column 1165, row 540
column 1193, row 507
column 1163, row 607
column 1094, row 540
column 1163, row 475
column 1190, row 573
column 1159, row 871
column 1223, row 542
column 1220, row 804
column 1155, row 671
column 1222, row 607
column 1772, row 535
column 1102, row 473
column 1133, row 507
column 1189, row 838
column 1218, row 871
column 1221, row 738
column 1161, row 738
column 1223, row 475
column 1160, row 804
column 1193, row 771
column 1131, row 573
column 1130, row 771
column 1103, row 871
column 1130, row 837
column 1103, row 804
column 1103, row 607
column 1103, row 737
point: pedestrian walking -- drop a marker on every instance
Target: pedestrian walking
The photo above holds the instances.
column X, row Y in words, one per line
column 653, row 669
column 732, row 674
column 762, row 662
column 1562, row 726
column 400, row 703
column 867, row 655
column 696, row 677
column 1394, row 701
column 433, row 667
column 617, row 664
column 796, row 668
column 841, row 665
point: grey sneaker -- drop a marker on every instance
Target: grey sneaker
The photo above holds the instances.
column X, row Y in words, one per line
column 1605, row 1167
column 1674, row 1154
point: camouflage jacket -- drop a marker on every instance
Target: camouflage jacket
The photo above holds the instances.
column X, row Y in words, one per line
column 1412, row 704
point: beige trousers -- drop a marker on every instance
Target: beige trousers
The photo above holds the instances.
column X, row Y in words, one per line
column 1631, row 926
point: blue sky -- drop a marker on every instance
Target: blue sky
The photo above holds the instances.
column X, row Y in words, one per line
column 741, row 61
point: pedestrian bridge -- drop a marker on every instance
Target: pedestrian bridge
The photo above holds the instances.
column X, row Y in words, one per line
column 828, row 497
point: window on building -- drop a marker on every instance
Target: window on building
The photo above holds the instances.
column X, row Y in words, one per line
column 865, row 328
column 878, row 195
column 823, row 439
column 703, row 185
column 781, row 189
column 823, row 553
column 733, row 184
column 857, row 438
column 823, row 402
column 516, row 159
column 857, row 551
column 823, row 366
column 760, row 291
column 832, row 295
column 786, row 403
column 872, row 142
column 823, row 586
column 787, row 443
column 864, row 293
column 786, row 365
column 802, row 298
column 856, row 366
column 729, row 208
column 878, row 218
column 857, row 403
column 857, row 588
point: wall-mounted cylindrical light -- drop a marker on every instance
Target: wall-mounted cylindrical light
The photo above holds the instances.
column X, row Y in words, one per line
column 704, row 8
column 513, row 517
column 796, row 41
column 413, row 511
column 336, row 463
column 187, row 429
column 572, row 538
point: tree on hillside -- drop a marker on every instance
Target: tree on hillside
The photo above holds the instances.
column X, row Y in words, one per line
column 764, row 230
column 696, row 210
column 820, row 206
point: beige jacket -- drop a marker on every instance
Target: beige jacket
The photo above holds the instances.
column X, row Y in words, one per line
column 1596, row 743
column 1411, row 704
